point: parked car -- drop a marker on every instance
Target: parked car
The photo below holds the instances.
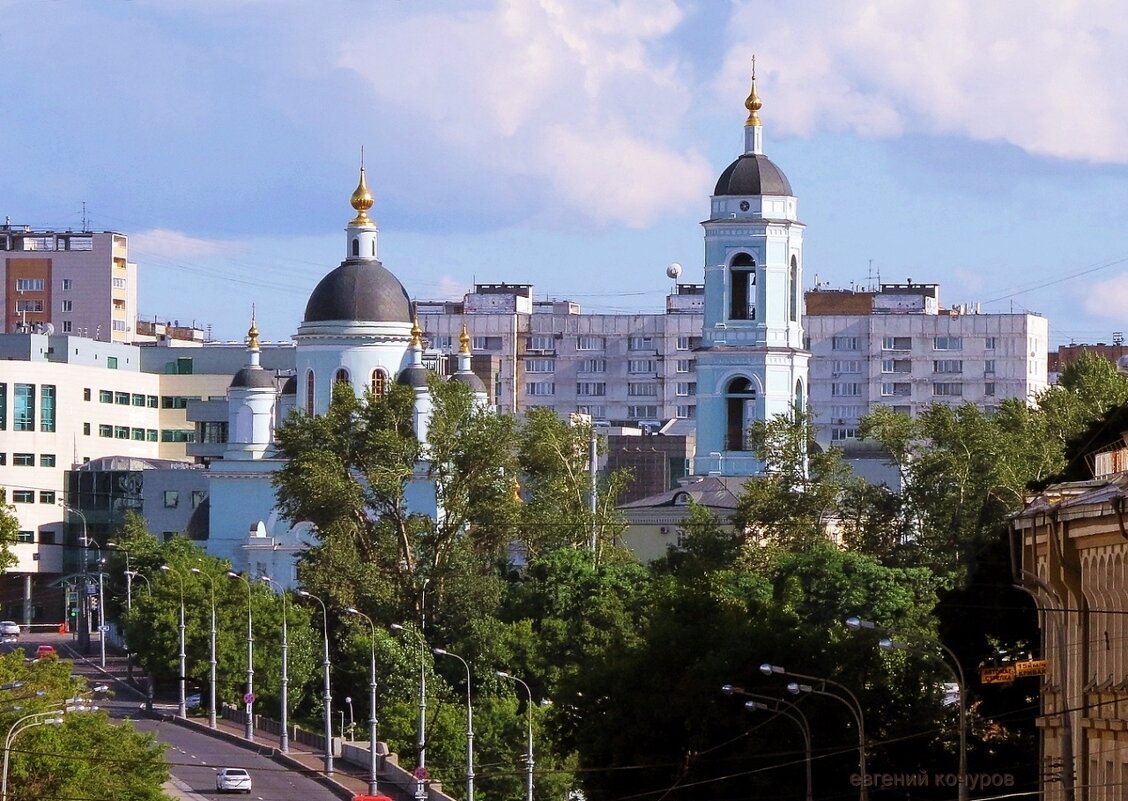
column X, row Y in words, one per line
column 232, row 780
column 9, row 628
column 46, row 652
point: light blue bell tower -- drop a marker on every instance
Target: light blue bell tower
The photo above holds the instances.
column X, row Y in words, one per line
column 752, row 364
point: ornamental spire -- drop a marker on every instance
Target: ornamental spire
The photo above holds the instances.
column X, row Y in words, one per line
column 753, row 103
column 362, row 199
column 253, row 332
column 464, row 341
column 416, row 334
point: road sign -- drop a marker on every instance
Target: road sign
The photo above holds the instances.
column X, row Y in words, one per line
column 1003, row 674
column 103, row 629
column 248, row 698
column 1030, row 667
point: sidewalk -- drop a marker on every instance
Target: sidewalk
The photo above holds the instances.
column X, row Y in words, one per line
column 348, row 779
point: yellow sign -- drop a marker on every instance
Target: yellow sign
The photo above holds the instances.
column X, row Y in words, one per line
column 1003, row 674
column 1031, row 667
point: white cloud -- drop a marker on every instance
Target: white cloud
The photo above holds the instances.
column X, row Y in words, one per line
column 1108, row 298
column 165, row 244
column 1050, row 78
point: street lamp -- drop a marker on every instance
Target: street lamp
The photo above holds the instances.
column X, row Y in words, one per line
column 371, row 702
column 83, row 600
column 328, row 694
column 795, row 715
column 211, row 693
column 852, row 704
column 128, row 573
column 421, row 743
column 53, row 717
column 183, row 659
column 101, row 608
column 501, row 674
column 469, row 724
column 284, row 736
column 249, row 696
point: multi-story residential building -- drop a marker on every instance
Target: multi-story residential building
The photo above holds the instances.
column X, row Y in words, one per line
column 897, row 346
column 68, row 282
column 622, row 369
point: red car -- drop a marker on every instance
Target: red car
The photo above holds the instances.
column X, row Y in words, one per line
column 46, row 652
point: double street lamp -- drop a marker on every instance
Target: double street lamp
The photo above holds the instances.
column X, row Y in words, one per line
column 183, row 711
column 328, row 695
column 83, row 598
column 284, row 735
column 249, row 695
column 469, row 724
column 421, row 744
column 211, row 678
column 501, row 674
column 795, row 715
column 371, row 701
column 953, row 667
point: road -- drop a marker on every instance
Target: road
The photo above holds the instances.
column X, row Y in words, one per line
column 193, row 756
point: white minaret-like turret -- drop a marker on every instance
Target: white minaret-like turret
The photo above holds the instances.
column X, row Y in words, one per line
column 467, row 376
column 251, row 399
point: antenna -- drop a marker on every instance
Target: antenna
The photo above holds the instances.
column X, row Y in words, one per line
column 84, row 225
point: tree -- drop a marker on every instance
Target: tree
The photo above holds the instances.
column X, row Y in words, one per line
column 9, row 532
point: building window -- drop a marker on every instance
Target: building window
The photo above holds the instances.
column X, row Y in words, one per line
column 687, row 343
column 592, row 410
column 3, row 407
column 171, row 499
column 121, row 432
column 176, row 435
column 68, row 284
column 684, row 366
column 86, row 393
column 105, row 396
column 642, row 365
column 122, row 398
column 845, row 389
column 151, row 435
column 640, row 389
column 46, row 460
column 989, row 389
column 540, row 343
column 896, row 343
column 647, row 412
column 309, row 392
column 438, row 341
column 640, row 343
column 846, row 366
column 152, row 402
column 947, row 366
column 591, row 388
column 47, row 407
column 211, row 432
column 742, row 287
column 540, row 365
column 740, row 412
column 844, row 343
column 25, row 536
column 67, row 328
column 342, row 376
column 29, row 306
column 137, row 434
column 989, row 366
column 947, row 343
column 989, row 343
column 685, row 412
column 589, row 343
column 111, row 362
column 840, row 433
column 23, row 496
column 86, row 429
column 947, row 390
column 137, row 400
column 24, row 411
column 540, row 388
column 793, row 285
column 47, row 496
column 23, row 459
column 485, row 343
column 105, row 430
column 684, row 389
column 379, row 383
column 68, row 305
column 29, row 284
column 593, row 366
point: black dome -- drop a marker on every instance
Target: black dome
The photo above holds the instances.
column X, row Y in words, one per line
column 290, row 387
column 414, row 376
column 471, row 380
column 253, row 378
column 753, row 174
column 359, row 290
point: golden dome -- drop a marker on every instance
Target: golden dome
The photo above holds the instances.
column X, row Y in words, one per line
column 416, row 334
column 753, row 103
column 362, row 201
column 253, row 333
column 464, row 340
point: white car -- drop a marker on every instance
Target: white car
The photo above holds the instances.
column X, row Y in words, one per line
column 232, row 780
column 9, row 628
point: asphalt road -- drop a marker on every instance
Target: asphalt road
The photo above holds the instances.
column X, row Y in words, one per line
column 193, row 756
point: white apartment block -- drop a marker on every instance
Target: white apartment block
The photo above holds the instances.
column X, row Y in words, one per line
column 898, row 347
column 624, row 369
column 68, row 282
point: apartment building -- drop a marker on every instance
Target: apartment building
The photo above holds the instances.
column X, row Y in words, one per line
column 898, row 346
column 622, row 369
column 68, row 282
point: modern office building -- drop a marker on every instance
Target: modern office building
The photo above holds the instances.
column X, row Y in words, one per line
column 68, row 282
column 897, row 346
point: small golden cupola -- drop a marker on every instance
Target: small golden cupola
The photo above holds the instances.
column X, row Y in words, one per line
column 753, row 128
column 362, row 201
column 362, row 230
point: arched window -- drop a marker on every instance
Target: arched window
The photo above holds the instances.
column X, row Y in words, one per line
column 379, row 383
column 356, row 246
column 341, row 377
column 742, row 283
column 800, row 398
column 794, row 289
column 309, row 392
column 373, row 248
column 740, row 411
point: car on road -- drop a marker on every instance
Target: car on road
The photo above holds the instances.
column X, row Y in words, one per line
column 9, row 629
column 46, row 652
column 232, row 780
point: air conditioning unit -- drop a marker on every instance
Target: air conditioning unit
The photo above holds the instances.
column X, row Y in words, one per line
column 664, row 529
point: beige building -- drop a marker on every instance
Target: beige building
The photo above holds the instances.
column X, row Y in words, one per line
column 68, row 282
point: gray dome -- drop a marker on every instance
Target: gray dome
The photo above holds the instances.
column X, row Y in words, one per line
column 471, row 380
column 414, row 376
column 253, row 378
column 359, row 290
column 290, row 387
column 753, row 174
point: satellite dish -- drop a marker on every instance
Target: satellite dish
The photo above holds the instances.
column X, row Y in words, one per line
column 48, row 328
column 674, row 270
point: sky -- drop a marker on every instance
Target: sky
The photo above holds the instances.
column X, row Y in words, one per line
column 573, row 144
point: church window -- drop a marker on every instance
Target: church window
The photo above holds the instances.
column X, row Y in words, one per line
column 740, row 408
column 794, row 285
column 379, row 383
column 309, row 392
column 341, row 376
column 742, row 283
column 356, row 247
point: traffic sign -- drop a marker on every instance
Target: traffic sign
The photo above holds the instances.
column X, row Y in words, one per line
column 248, row 698
column 103, row 629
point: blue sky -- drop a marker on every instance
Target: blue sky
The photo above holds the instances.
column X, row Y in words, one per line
column 572, row 144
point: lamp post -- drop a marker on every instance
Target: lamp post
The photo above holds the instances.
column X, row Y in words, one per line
column 83, row 600
column 137, row 574
column 53, row 717
column 852, row 704
column 328, row 695
column 128, row 573
column 101, row 611
column 421, row 743
column 249, row 696
column 795, row 715
column 469, row 724
column 529, row 747
column 284, row 735
column 183, row 712
column 211, row 678
column 953, row 667
column 372, row 790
